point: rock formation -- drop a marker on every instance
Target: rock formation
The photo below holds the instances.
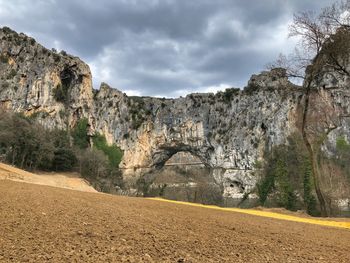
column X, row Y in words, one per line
column 57, row 88
column 228, row 131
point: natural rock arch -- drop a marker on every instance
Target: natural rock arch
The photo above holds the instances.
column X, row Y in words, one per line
column 165, row 152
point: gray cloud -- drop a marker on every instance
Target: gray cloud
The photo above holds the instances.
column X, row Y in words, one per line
column 162, row 47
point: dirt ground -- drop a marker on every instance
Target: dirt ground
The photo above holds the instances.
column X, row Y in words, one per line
column 64, row 180
column 47, row 224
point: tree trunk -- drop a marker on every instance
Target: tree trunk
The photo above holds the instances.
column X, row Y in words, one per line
column 316, row 177
column 313, row 158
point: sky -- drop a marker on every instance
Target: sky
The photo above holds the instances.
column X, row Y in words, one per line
column 165, row 48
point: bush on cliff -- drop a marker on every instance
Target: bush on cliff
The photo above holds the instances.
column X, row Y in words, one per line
column 113, row 152
column 80, row 134
column 286, row 174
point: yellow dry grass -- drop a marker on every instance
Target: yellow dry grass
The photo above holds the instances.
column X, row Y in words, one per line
column 314, row 221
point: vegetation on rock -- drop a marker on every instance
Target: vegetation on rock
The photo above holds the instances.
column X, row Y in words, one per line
column 26, row 144
column 60, row 93
column 113, row 152
column 286, row 175
column 342, row 156
column 80, row 134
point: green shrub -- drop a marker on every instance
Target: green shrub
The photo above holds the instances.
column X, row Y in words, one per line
column 136, row 122
column 5, row 85
column 80, row 134
column 113, row 152
column 64, row 159
column 4, row 59
column 138, row 111
column 228, row 94
column 277, row 181
column 342, row 145
column 8, row 30
column 56, row 57
column 265, row 187
column 251, row 88
column 286, row 172
column 12, row 74
column 285, row 196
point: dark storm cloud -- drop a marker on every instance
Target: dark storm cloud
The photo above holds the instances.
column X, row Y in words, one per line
column 162, row 47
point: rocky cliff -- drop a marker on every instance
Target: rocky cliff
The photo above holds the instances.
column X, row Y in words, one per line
column 55, row 87
column 227, row 131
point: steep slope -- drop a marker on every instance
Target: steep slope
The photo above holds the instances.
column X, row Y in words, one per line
column 55, row 87
column 63, row 180
column 227, row 131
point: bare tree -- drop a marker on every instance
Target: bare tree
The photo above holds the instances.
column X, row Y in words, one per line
column 313, row 31
column 324, row 39
column 336, row 15
column 295, row 64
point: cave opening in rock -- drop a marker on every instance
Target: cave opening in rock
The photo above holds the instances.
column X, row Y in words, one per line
column 184, row 160
column 179, row 166
column 184, row 176
column 67, row 77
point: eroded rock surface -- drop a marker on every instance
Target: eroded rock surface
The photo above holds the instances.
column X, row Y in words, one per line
column 228, row 131
column 30, row 75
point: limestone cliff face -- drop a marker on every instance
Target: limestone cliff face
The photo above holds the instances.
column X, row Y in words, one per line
column 30, row 73
column 228, row 131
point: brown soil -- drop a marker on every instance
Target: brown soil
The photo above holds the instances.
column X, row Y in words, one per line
column 46, row 224
column 64, row 180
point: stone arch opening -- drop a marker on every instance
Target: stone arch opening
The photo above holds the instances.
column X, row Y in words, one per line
column 164, row 154
column 179, row 166
column 185, row 159
column 182, row 173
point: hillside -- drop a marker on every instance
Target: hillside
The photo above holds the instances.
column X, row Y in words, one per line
column 63, row 180
column 46, row 224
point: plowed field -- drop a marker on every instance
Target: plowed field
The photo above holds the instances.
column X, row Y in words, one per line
column 48, row 224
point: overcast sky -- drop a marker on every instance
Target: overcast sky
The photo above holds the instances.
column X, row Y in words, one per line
column 162, row 47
